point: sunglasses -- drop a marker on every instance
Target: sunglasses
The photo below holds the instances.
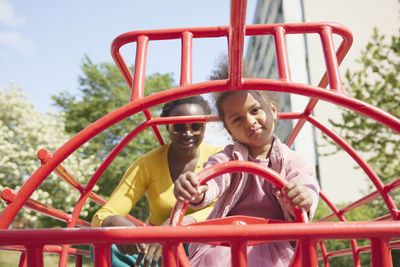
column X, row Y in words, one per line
column 194, row 127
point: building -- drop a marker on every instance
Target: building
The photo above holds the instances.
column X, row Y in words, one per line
column 339, row 179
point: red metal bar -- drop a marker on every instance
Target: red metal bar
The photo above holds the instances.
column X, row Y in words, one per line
column 156, row 131
column 170, row 255
column 78, row 261
column 48, row 249
column 200, row 233
column 171, row 94
column 140, row 67
column 239, row 254
column 331, row 60
column 281, row 54
column 230, row 167
column 102, row 257
column 34, row 255
column 22, row 260
column 10, row 195
column 324, row 254
column 237, row 31
column 363, row 249
column 186, row 59
column 224, row 31
column 44, row 155
column 309, row 253
column 361, row 162
column 380, row 253
column 299, row 125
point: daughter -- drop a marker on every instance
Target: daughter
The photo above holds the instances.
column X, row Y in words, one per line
column 250, row 118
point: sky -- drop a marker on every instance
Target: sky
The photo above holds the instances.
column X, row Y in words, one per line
column 43, row 42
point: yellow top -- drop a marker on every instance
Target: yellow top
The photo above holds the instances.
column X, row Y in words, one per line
column 150, row 174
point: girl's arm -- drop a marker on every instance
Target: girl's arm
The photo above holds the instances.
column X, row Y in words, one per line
column 302, row 189
column 187, row 188
column 295, row 195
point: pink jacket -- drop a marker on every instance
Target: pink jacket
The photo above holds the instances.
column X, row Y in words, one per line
column 229, row 189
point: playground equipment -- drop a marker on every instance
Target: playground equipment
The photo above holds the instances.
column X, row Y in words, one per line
column 237, row 232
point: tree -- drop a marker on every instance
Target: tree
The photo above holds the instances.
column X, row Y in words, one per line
column 359, row 214
column 24, row 130
column 377, row 83
column 103, row 90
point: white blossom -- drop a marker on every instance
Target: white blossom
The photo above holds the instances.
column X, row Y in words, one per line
column 23, row 132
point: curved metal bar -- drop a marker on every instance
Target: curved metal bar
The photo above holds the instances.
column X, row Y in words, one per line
column 180, row 92
column 361, row 162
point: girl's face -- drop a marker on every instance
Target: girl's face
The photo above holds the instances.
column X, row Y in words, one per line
column 250, row 121
column 187, row 137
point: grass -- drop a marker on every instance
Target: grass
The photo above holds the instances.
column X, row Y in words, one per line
column 11, row 259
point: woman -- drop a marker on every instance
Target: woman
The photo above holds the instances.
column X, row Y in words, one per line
column 155, row 174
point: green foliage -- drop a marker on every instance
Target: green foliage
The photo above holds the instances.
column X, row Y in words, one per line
column 377, row 83
column 24, row 130
column 103, row 90
column 363, row 213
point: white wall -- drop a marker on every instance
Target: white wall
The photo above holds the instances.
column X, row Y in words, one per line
column 340, row 181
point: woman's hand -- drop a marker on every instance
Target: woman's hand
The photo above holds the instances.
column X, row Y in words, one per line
column 131, row 249
column 151, row 257
column 154, row 250
column 187, row 188
column 295, row 194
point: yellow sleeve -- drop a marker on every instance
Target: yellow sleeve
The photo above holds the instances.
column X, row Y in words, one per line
column 207, row 151
column 126, row 194
column 201, row 214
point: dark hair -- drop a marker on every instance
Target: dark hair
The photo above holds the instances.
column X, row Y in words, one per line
column 196, row 99
column 221, row 70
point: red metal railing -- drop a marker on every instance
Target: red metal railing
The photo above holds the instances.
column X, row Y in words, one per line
column 382, row 232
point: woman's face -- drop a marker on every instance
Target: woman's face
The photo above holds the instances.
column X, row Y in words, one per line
column 187, row 138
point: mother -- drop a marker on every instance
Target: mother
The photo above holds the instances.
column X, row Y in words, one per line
column 154, row 174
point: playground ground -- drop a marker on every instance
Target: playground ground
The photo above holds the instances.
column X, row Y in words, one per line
column 11, row 259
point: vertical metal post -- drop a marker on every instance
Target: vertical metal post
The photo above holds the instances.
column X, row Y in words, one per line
column 331, row 60
column 237, row 32
column 34, row 255
column 102, row 257
column 281, row 54
column 78, row 260
column 170, row 255
column 308, row 248
column 380, row 253
column 239, row 254
column 140, row 67
column 22, row 260
column 186, row 59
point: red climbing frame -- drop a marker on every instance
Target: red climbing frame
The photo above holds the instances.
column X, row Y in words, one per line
column 382, row 232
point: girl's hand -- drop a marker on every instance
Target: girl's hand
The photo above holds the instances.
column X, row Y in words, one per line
column 295, row 194
column 188, row 189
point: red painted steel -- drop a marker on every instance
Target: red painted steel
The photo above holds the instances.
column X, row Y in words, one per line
column 186, row 59
column 382, row 232
column 203, row 233
column 238, row 250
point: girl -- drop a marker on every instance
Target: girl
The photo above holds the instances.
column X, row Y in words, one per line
column 250, row 119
